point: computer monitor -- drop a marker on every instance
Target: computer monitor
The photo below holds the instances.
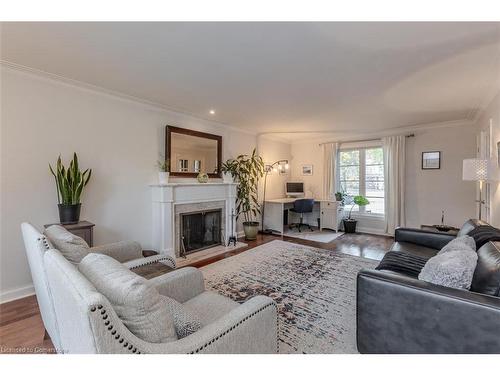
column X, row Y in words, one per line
column 294, row 189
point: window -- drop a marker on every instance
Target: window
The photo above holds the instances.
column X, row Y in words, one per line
column 361, row 172
column 183, row 165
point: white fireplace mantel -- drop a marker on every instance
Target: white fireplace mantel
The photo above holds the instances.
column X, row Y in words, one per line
column 166, row 197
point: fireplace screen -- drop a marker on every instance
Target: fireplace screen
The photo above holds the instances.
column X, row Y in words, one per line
column 200, row 230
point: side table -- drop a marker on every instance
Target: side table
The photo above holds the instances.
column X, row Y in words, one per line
column 84, row 229
column 432, row 228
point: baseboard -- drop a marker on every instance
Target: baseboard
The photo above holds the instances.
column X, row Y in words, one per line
column 372, row 231
column 13, row 294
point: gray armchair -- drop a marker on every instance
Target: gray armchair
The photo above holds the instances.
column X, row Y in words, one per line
column 75, row 248
column 36, row 244
column 87, row 322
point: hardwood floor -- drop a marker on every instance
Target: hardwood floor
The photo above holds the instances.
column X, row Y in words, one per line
column 22, row 330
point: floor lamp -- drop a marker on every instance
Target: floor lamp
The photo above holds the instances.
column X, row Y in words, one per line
column 276, row 166
column 476, row 170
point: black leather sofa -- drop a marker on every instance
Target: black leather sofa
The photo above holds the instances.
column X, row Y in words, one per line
column 397, row 313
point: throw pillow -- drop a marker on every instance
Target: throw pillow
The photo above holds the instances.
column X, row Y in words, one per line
column 72, row 247
column 453, row 269
column 136, row 301
column 483, row 234
column 185, row 321
column 462, row 243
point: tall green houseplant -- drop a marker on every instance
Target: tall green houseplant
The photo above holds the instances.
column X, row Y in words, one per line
column 70, row 182
column 247, row 171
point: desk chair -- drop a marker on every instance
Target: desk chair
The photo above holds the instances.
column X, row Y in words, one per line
column 302, row 206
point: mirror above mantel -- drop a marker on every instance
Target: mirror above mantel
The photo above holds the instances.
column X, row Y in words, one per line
column 191, row 152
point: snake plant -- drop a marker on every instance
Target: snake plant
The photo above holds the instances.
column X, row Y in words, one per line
column 70, row 182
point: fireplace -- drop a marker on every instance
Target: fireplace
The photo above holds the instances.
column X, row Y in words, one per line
column 200, row 230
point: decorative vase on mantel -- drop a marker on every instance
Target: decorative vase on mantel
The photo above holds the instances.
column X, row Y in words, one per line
column 202, row 178
column 163, row 177
column 227, row 177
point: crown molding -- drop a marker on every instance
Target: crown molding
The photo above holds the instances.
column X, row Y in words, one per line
column 114, row 94
column 273, row 137
column 345, row 136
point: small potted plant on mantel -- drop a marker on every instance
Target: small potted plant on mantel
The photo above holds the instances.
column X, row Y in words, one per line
column 70, row 183
column 246, row 170
column 163, row 171
column 350, row 223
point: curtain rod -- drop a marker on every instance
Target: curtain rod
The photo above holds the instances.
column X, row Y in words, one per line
column 362, row 140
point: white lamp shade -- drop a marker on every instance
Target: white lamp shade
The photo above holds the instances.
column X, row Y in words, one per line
column 475, row 170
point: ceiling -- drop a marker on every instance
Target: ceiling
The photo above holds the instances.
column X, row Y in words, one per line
column 278, row 77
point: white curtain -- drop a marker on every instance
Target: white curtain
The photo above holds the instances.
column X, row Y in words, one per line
column 394, row 176
column 330, row 151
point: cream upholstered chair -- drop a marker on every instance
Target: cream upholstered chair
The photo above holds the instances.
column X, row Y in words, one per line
column 87, row 322
column 36, row 245
column 74, row 248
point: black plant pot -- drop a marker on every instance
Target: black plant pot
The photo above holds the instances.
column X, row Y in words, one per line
column 350, row 225
column 69, row 213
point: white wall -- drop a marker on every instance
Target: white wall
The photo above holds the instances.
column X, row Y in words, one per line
column 491, row 114
column 271, row 151
column 428, row 192
column 308, row 153
column 119, row 139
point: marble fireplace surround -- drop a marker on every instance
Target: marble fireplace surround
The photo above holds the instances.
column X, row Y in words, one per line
column 196, row 207
column 172, row 199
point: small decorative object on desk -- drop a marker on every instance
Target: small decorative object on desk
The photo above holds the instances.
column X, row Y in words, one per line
column 442, row 227
column 163, row 171
column 69, row 184
column 202, row 178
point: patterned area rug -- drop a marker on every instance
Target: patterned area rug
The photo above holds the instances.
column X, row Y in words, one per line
column 315, row 290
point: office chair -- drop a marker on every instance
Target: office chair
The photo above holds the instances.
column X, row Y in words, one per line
column 302, row 206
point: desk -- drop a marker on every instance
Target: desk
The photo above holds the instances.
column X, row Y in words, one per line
column 328, row 211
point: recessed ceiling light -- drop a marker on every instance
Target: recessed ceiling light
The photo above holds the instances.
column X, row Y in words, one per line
column 212, row 111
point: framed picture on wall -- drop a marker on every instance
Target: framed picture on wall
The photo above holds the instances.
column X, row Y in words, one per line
column 307, row 170
column 431, row 160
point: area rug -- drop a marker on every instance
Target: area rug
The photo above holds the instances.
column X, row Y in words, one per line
column 315, row 290
column 324, row 236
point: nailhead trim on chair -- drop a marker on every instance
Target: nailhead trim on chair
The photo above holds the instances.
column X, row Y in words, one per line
column 169, row 259
column 107, row 323
column 45, row 242
column 133, row 349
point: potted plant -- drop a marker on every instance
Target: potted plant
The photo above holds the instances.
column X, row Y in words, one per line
column 247, row 170
column 227, row 176
column 349, row 223
column 339, row 197
column 163, row 171
column 69, row 183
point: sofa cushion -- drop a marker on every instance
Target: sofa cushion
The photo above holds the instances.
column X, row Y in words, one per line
column 401, row 262
column 482, row 235
column 210, row 306
column 462, row 243
column 486, row 278
column 414, row 249
column 186, row 321
column 469, row 225
column 136, row 301
column 453, row 269
column 72, row 247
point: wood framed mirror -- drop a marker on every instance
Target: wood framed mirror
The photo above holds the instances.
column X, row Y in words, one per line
column 191, row 152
